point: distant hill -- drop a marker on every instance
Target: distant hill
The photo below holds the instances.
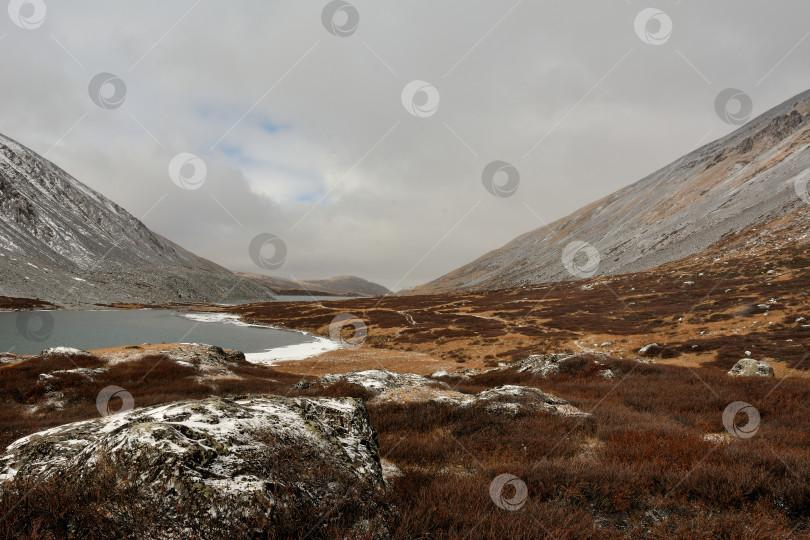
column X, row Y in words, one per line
column 334, row 286
column 736, row 185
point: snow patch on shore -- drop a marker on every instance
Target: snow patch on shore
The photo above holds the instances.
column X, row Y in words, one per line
column 215, row 318
column 299, row 351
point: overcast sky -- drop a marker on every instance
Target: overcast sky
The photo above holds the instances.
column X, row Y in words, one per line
column 305, row 132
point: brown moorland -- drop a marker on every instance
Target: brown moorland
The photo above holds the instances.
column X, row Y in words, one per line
column 8, row 303
column 653, row 460
column 703, row 311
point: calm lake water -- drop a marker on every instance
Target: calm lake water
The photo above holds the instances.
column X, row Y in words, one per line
column 29, row 332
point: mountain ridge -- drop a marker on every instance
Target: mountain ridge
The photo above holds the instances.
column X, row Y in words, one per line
column 333, row 286
column 63, row 242
column 738, row 181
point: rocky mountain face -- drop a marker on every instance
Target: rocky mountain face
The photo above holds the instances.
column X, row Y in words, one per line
column 754, row 178
column 62, row 242
column 334, row 286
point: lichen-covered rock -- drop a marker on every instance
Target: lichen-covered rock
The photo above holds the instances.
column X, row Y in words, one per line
column 266, row 456
column 375, row 381
column 751, row 368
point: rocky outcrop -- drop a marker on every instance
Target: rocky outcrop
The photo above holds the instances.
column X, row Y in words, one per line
column 375, row 381
column 540, row 364
column 509, row 399
column 607, row 374
column 8, row 358
column 545, row 365
column 212, row 360
column 651, row 349
column 419, row 394
column 387, row 387
column 512, row 400
column 266, row 457
column 748, row 367
column 63, row 352
column 208, row 358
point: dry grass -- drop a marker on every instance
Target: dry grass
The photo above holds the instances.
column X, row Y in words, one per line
column 712, row 322
column 8, row 303
column 640, row 467
column 345, row 360
column 28, row 404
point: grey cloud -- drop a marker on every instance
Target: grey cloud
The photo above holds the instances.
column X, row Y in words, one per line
column 319, row 104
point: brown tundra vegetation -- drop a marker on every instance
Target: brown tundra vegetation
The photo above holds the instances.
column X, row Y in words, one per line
column 652, row 460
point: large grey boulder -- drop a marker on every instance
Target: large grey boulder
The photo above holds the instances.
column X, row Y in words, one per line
column 749, row 367
column 266, row 458
column 651, row 349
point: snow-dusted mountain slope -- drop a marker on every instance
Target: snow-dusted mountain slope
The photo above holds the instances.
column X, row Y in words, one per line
column 752, row 177
column 62, row 242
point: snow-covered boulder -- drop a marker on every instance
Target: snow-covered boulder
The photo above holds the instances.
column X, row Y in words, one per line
column 8, row 358
column 375, row 381
column 63, row 352
column 750, row 367
column 545, row 365
column 198, row 355
column 607, row 374
column 511, row 400
column 204, row 357
column 508, row 399
column 85, row 372
column 267, row 458
column 651, row 349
